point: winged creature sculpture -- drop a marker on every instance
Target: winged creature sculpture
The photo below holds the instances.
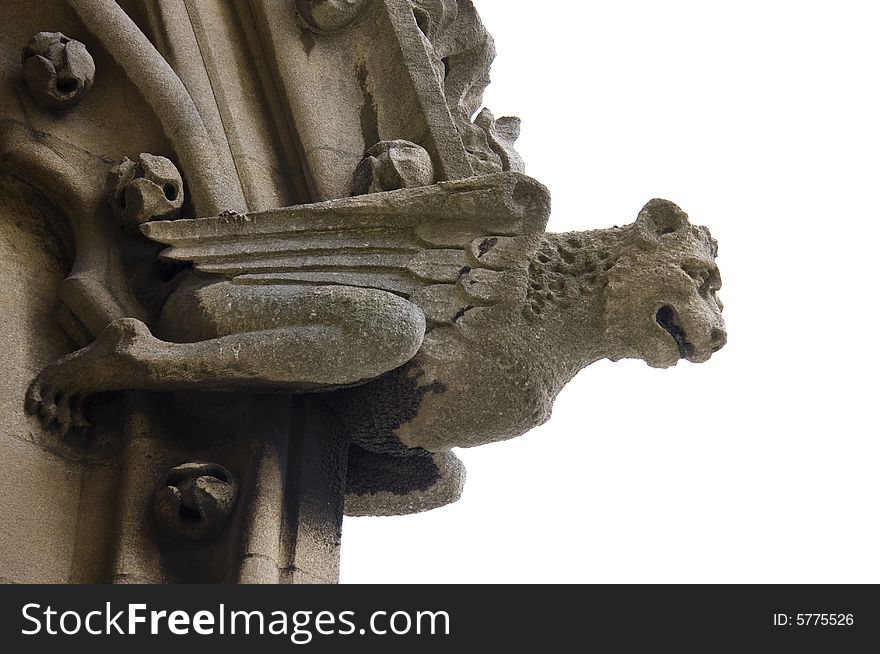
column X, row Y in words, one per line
column 428, row 318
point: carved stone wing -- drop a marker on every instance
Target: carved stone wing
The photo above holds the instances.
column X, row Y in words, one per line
column 418, row 243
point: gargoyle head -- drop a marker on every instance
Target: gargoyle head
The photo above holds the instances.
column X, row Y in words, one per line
column 661, row 303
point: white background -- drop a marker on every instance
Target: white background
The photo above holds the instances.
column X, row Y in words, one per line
column 762, row 121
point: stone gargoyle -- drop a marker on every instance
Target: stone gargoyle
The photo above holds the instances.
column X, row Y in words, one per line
column 428, row 318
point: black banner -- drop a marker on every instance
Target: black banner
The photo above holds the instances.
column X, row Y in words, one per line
column 441, row 618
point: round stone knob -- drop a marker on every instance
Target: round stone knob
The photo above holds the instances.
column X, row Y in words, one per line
column 329, row 15
column 58, row 70
column 195, row 501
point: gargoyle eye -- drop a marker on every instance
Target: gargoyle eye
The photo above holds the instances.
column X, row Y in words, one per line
column 706, row 278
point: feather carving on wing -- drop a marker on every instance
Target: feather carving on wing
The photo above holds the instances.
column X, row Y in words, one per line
column 444, row 247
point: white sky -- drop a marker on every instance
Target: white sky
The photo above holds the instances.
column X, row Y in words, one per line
column 762, row 121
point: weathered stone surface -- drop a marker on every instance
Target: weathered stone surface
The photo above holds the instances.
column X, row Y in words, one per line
column 39, row 487
column 357, row 280
column 40, row 492
column 391, row 165
column 329, row 15
column 384, row 485
column 461, row 52
column 95, row 520
column 501, row 134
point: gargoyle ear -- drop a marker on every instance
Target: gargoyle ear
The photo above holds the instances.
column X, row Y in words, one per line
column 660, row 217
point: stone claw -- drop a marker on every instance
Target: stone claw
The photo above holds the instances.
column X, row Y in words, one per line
column 56, row 411
column 57, row 396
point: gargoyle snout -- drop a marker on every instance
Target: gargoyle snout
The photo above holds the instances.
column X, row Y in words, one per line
column 717, row 338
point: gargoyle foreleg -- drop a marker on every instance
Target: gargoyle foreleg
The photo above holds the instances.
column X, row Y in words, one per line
column 300, row 339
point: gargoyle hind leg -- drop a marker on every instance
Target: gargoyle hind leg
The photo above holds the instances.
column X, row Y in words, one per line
column 225, row 336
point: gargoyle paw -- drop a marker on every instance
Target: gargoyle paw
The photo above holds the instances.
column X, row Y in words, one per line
column 56, row 410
